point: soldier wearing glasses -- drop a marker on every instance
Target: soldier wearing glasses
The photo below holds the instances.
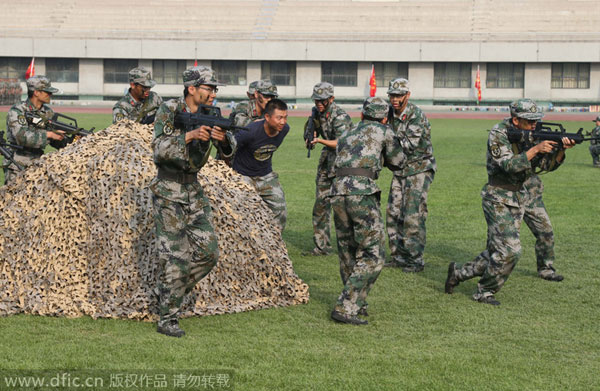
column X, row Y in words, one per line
column 187, row 245
column 139, row 104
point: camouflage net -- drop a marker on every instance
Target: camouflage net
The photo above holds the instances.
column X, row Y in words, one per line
column 78, row 236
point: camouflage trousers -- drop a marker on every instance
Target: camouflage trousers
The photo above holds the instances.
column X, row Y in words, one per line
column 187, row 250
column 11, row 171
column 270, row 190
column 537, row 219
column 359, row 230
column 595, row 152
column 495, row 264
column 321, row 213
column 405, row 218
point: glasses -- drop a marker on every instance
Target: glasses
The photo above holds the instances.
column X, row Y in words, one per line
column 211, row 90
column 143, row 87
column 321, row 101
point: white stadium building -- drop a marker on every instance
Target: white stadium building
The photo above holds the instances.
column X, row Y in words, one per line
column 547, row 50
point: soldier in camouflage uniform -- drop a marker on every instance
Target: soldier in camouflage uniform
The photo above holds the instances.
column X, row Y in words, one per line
column 3, row 92
column 187, row 245
column 31, row 134
column 254, row 153
column 253, row 110
column 330, row 123
column 595, row 144
column 355, row 200
column 511, row 193
column 407, row 200
column 139, row 104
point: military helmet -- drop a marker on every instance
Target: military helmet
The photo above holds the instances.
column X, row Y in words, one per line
column 375, row 107
column 322, row 90
column 597, row 119
column 40, row 83
column 197, row 75
column 141, row 76
column 252, row 87
column 399, row 86
column 526, row 109
column 265, row 87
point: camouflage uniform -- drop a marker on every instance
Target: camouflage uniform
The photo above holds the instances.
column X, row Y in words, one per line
column 270, row 190
column 31, row 136
column 512, row 192
column 595, row 145
column 246, row 112
column 330, row 125
column 128, row 107
column 187, row 245
column 3, row 92
column 407, row 200
column 356, row 205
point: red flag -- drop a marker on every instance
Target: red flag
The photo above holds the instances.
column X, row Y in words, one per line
column 372, row 82
column 30, row 69
column 195, row 63
column 478, row 85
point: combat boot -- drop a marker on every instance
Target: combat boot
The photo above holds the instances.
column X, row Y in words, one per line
column 552, row 277
column 451, row 280
column 417, row 268
column 170, row 327
column 350, row 319
column 363, row 311
column 489, row 300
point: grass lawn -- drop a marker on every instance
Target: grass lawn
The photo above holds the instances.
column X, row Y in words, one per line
column 544, row 336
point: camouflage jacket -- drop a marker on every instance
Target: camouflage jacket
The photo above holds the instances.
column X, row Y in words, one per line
column 508, row 168
column 331, row 124
column 365, row 146
column 22, row 132
column 129, row 108
column 595, row 133
column 414, row 132
column 244, row 113
column 173, row 154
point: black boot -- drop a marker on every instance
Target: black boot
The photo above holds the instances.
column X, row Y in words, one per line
column 170, row 327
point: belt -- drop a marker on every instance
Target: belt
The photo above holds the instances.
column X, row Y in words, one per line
column 30, row 152
column 184, row 178
column 348, row 171
column 505, row 185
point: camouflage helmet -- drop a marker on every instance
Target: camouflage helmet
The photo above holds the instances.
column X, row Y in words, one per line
column 526, row 109
column 265, row 87
column 399, row 86
column 252, row 87
column 197, row 75
column 40, row 83
column 597, row 119
column 322, row 90
column 141, row 76
column 375, row 107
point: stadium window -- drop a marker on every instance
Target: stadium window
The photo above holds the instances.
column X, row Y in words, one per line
column 230, row 72
column 63, row 70
column 505, row 75
column 13, row 67
column 342, row 74
column 117, row 71
column 281, row 73
column 168, row 71
column 570, row 75
column 388, row 71
column 452, row 75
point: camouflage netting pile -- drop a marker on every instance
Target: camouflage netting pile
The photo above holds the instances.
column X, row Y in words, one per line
column 77, row 236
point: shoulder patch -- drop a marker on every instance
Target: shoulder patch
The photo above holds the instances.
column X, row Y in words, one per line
column 168, row 129
column 21, row 119
column 119, row 117
column 495, row 151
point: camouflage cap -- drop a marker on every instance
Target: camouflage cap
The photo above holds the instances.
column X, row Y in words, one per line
column 197, row 75
column 252, row 87
column 265, row 87
column 141, row 76
column 597, row 119
column 322, row 90
column 375, row 107
column 526, row 109
column 398, row 86
column 40, row 83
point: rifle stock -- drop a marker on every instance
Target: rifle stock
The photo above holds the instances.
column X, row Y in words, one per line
column 8, row 153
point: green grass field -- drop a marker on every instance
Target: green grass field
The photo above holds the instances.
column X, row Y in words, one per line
column 544, row 336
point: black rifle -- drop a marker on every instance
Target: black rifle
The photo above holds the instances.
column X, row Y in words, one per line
column 8, row 153
column 209, row 116
column 309, row 132
column 60, row 122
column 545, row 131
